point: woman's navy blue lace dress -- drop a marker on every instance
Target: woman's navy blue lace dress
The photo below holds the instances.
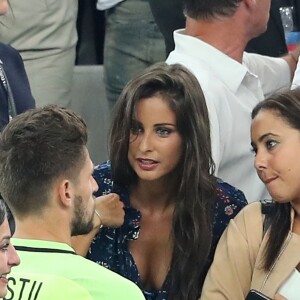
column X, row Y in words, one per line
column 110, row 246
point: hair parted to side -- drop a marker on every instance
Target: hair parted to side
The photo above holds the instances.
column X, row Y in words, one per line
column 194, row 194
column 210, row 9
column 36, row 148
column 285, row 104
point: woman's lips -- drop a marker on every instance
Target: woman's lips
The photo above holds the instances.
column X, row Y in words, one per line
column 147, row 164
column 4, row 280
column 267, row 181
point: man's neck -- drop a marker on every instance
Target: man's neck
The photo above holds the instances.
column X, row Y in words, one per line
column 42, row 229
column 220, row 34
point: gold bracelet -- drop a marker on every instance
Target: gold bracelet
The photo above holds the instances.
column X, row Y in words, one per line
column 101, row 225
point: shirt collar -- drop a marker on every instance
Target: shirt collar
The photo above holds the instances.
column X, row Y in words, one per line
column 40, row 244
column 226, row 69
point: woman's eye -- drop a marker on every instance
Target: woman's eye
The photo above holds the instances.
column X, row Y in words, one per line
column 254, row 150
column 271, row 144
column 135, row 130
column 5, row 247
column 163, row 131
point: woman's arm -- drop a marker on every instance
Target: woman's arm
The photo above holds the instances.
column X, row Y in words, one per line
column 111, row 214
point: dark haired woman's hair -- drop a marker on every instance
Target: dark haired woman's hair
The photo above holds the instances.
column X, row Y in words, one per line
column 286, row 105
column 3, row 213
column 195, row 191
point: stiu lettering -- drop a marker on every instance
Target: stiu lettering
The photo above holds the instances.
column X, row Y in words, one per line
column 23, row 289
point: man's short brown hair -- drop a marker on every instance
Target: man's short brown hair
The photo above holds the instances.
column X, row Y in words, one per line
column 36, row 148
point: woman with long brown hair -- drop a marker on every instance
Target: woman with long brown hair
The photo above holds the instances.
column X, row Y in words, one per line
column 161, row 167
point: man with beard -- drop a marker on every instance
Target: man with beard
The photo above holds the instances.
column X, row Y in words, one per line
column 46, row 180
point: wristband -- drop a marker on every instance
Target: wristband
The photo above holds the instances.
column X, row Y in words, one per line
column 101, row 225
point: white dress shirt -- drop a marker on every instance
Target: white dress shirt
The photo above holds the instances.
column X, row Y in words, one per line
column 231, row 91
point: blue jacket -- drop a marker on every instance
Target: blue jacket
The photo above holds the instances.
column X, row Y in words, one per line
column 15, row 72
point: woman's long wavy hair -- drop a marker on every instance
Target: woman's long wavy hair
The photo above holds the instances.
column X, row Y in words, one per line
column 286, row 105
column 192, row 219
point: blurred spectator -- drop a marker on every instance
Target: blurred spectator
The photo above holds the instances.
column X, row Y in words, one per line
column 91, row 30
column 15, row 94
column 44, row 32
column 132, row 43
column 168, row 15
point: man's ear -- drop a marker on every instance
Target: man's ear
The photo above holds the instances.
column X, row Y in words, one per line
column 250, row 4
column 65, row 190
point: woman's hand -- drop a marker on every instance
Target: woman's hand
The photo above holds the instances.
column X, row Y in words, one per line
column 111, row 214
column 110, row 209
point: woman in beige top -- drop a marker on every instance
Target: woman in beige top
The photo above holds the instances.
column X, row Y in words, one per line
column 258, row 254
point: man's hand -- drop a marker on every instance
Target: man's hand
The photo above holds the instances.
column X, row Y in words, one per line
column 292, row 59
column 110, row 209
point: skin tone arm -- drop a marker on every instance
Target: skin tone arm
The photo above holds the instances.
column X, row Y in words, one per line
column 279, row 297
column 111, row 212
column 292, row 59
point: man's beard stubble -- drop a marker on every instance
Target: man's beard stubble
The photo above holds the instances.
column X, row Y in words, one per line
column 79, row 223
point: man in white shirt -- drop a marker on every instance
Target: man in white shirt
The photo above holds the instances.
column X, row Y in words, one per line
column 212, row 47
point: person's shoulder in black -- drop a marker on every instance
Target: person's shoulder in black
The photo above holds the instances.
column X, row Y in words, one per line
column 272, row 41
